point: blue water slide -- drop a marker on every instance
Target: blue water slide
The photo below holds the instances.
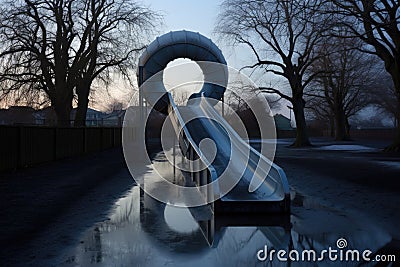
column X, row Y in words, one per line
column 272, row 191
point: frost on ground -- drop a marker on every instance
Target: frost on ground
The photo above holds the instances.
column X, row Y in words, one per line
column 348, row 148
column 390, row 164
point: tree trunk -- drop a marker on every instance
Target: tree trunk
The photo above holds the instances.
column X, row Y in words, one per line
column 396, row 142
column 348, row 126
column 332, row 126
column 395, row 146
column 63, row 116
column 395, row 74
column 301, row 126
column 83, row 102
column 62, row 107
column 340, row 123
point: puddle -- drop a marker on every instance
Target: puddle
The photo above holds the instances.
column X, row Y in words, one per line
column 145, row 232
column 179, row 219
column 141, row 231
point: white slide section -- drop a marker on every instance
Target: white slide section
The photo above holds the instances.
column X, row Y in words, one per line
column 257, row 178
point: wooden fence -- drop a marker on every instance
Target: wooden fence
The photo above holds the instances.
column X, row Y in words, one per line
column 23, row 146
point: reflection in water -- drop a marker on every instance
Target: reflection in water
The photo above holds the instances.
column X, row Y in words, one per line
column 179, row 219
column 144, row 232
column 153, row 235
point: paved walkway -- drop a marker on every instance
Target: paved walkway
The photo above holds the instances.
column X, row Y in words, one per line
column 33, row 199
column 356, row 176
column 45, row 208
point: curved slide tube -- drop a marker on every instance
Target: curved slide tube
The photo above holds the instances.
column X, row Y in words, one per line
column 272, row 193
column 259, row 184
column 182, row 44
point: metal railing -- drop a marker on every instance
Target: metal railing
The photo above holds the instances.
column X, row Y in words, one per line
column 202, row 172
column 275, row 173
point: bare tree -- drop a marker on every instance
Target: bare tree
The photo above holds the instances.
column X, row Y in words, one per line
column 60, row 46
column 36, row 37
column 36, row 99
column 283, row 36
column 239, row 95
column 376, row 23
column 180, row 97
column 244, row 101
column 343, row 89
column 383, row 97
column 319, row 110
column 274, row 102
column 111, row 34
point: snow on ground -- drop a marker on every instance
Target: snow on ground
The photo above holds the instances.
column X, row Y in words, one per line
column 347, row 148
column 270, row 141
column 390, row 164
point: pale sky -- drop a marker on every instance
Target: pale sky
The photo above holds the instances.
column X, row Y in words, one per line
column 191, row 15
column 201, row 16
column 197, row 16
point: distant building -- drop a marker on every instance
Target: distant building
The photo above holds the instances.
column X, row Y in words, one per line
column 46, row 116
column 282, row 123
column 17, row 115
column 93, row 117
column 115, row 118
column 23, row 115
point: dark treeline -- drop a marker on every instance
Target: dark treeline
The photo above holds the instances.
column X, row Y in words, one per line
column 336, row 55
column 53, row 50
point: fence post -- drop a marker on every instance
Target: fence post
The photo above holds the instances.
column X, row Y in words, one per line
column 101, row 139
column 55, row 144
column 112, row 136
column 84, row 140
column 20, row 148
